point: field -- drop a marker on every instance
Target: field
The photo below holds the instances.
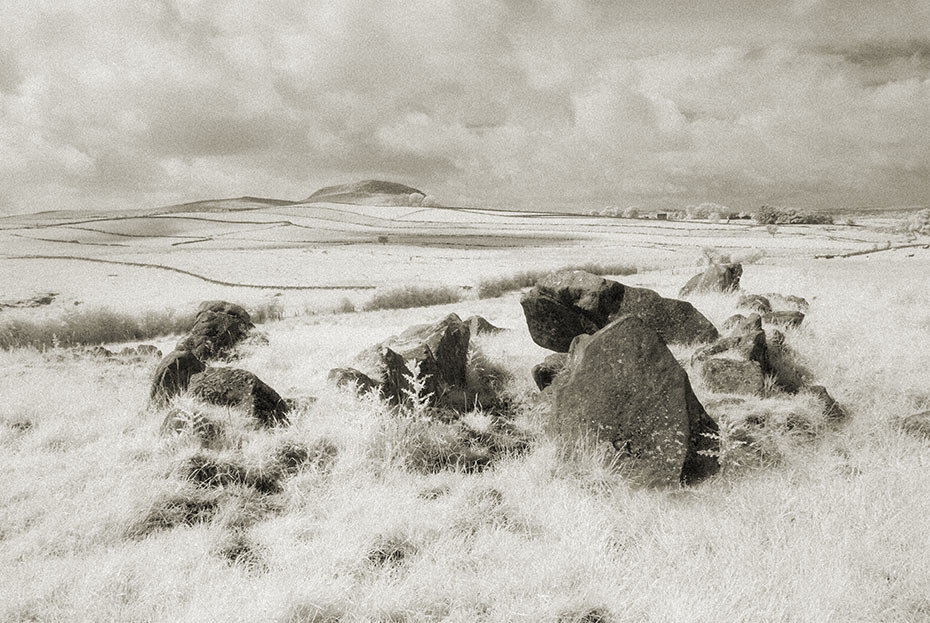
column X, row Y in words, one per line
column 359, row 519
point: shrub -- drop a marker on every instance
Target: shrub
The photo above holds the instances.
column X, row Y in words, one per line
column 266, row 312
column 491, row 288
column 769, row 215
column 412, row 296
column 92, row 326
column 919, row 223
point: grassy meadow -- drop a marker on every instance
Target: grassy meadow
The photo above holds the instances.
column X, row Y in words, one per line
column 357, row 513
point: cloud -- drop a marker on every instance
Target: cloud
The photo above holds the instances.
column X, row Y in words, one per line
column 491, row 102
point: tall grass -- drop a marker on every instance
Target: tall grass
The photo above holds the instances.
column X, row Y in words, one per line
column 91, row 326
column 105, row 326
column 412, row 296
column 494, row 287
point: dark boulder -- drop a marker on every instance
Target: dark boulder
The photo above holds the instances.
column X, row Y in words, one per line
column 623, row 386
column 173, row 374
column 783, row 318
column 218, row 327
column 716, row 278
column 233, row 387
column 544, row 373
column 568, row 303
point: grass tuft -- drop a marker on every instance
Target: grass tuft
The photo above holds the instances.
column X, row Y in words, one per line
column 412, row 296
column 188, row 507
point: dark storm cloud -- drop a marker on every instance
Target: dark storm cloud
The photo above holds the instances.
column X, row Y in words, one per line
column 556, row 102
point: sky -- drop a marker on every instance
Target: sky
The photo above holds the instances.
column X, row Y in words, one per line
column 574, row 104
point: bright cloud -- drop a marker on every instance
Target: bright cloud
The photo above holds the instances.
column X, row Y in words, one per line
column 486, row 102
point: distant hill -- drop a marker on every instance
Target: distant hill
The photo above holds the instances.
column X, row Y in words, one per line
column 369, row 192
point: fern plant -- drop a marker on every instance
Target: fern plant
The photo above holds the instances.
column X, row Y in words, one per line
column 417, row 403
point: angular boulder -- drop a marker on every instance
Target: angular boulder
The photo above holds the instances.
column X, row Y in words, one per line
column 218, row 327
column 716, row 278
column 623, row 386
column 173, row 374
column 568, row 303
column 232, row 387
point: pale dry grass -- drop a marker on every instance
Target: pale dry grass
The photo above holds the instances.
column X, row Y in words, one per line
column 834, row 530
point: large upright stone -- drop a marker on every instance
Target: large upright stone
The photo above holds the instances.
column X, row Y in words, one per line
column 574, row 302
column 623, row 386
column 218, row 327
column 715, row 278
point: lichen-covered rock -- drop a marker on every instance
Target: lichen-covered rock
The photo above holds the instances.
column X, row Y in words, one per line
column 233, row 387
column 623, row 386
column 732, row 376
column 715, row 278
column 568, row 303
column 173, row 374
column 218, row 327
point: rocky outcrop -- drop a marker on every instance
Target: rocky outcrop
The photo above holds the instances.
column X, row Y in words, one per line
column 439, row 351
column 232, row 387
column 218, row 327
column 623, row 386
column 716, row 278
column 173, row 374
column 568, row 303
